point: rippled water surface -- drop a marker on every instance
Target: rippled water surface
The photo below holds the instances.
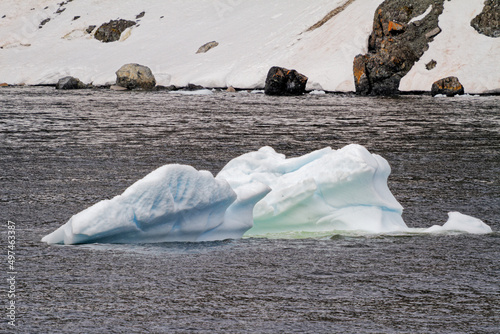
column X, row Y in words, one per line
column 61, row 152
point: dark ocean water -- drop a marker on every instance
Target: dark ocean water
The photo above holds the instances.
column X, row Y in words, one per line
column 61, row 152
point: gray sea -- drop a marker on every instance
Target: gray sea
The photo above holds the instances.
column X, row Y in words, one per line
column 63, row 151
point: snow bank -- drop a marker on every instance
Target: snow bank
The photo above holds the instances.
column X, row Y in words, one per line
column 324, row 190
column 460, row 51
column 252, row 37
column 172, row 203
column 459, row 222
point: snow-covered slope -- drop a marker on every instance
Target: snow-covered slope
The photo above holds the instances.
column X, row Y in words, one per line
column 459, row 50
column 252, row 36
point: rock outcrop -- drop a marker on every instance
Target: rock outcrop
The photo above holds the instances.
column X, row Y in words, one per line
column 70, row 83
column 401, row 32
column 281, row 81
column 488, row 21
column 112, row 31
column 207, row 46
column 135, row 76
column 449, row 86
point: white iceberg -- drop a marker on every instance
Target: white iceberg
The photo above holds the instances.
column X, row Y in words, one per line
column 172, row 203
column 459, row 222
column 325, row 190
column 257, row 193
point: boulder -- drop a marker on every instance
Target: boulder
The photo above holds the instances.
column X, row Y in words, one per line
column 207, row 46
column 70, row 83
column 449, row 86
column 111, row 31
column 192, row 87
column 488, row 21
column 431, row 65
column 396, row 43
column 4, row 84
column 160, row 88
column 135, row 76
column 281, row 81
column 231, row 89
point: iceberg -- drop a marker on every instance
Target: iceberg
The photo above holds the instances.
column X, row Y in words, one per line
column 325, row 190
column 258, row 193
column 172, row 203
column 459, row 222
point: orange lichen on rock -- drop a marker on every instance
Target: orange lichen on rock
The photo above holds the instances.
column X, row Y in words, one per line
column 395, row 27
column 359, row 68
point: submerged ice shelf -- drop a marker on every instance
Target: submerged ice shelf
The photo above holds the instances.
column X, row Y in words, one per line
column 258, row 193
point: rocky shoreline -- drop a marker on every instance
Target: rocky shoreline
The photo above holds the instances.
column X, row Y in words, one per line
column 402, row 33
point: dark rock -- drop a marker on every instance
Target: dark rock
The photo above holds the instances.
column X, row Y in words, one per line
column 141, row 15
column 70, row 83
column 281, row 81
column 135, row 76
column 193, row 87
column 207, row 46
column 76, row 18
column 488, row 21
column 395, row 44
column 111, row 31
column 431, row 65
column 60, row 10
column 450, row 86
column 44, row 22
column 90, row 29
column 165, row 88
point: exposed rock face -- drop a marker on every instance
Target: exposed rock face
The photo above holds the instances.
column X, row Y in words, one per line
column 111, row 31
column 207, row 46
column 135, row 76
column 70, row 83
column 488, row 21
column 281, row 81
column 395, row 44
column 450, row 86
